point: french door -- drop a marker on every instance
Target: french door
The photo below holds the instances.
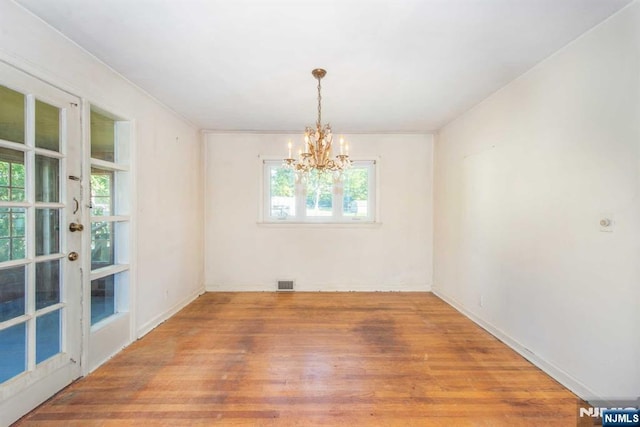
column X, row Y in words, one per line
column 40, row 241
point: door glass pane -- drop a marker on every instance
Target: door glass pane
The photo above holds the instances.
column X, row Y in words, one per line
column 47, row 179
column 11, row 115
column 47, row 336
column 13, row 351
column 12, row 234
column 102, row 137
column 319, row 194
column 101, row 244
column 47, row 231
column 12, row 293
column 12, row 175
column 102, row 298
column 47, row 283
column 101, row 192
column 355, row 192
column 282, row 202
column 47, row 126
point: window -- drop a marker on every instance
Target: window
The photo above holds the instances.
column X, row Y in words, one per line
column 109, row 215
column 319, row 198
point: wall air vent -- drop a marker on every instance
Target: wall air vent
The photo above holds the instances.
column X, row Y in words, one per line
column 285, row 285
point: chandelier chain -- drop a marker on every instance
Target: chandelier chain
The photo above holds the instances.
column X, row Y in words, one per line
column 319, row 105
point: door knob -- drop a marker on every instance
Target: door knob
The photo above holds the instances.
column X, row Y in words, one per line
column 76, row 227
column 73, row 256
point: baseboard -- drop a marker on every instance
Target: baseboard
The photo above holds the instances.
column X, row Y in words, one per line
column 153, row 323
column 549, row 368
column 319, row 288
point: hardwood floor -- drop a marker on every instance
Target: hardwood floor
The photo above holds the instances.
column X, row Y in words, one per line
column 302, row 359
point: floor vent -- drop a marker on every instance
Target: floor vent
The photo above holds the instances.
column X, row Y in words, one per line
column 285, row 285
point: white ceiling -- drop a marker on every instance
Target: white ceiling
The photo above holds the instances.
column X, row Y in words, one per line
column 392, row 65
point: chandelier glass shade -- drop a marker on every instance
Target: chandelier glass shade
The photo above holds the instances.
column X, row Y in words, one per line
column 317, row 151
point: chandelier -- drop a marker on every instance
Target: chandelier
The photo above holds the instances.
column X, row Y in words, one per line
column 317, row 152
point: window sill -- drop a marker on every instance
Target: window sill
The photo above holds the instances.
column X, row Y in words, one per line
column 319, row 224
column 108, row 270
column 101, row 324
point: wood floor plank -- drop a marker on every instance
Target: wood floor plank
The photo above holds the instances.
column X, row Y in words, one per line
column 352, row 359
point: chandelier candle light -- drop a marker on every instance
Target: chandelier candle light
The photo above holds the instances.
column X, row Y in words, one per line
column 316, row 152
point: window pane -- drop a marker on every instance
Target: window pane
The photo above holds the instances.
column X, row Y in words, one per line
column 47, row 126
column 5, row 249
column 13, row 351
column 47, row 283
column 282, row 201
column 17, row 175
column 101, row 244
column 101, row 192
column 47, row 231
column 12, row 234
column 47, row 336
column 11, row 115
column 12, row 293
column 18, row 250
column 102, row 298
column 17, row 222
column 319, row 194
column 102, row 137
column 47, row 179
column 355, row 199
column 17, row 195
column 12, row 180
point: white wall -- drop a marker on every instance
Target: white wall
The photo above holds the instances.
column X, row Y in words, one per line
column 242, row 255
column 521, row 182
column 168, row 171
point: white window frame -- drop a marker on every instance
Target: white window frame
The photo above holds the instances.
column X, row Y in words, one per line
column 120, row 217
column 300, row 216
